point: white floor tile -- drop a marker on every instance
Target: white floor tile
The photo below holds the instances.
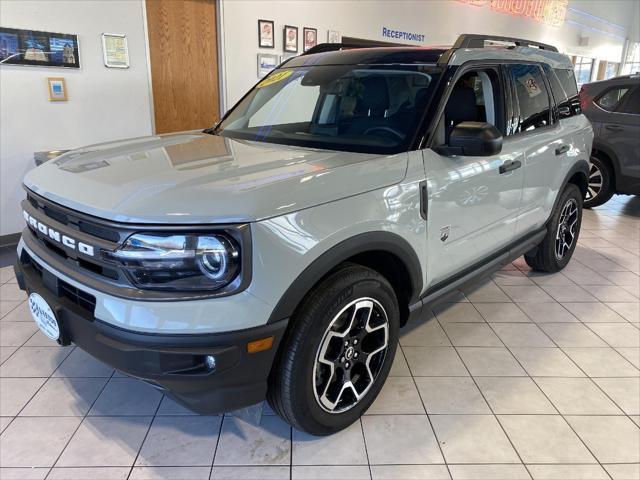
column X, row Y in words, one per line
column 400, row 439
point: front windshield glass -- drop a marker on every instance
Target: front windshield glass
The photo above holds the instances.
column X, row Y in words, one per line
column 370, row 109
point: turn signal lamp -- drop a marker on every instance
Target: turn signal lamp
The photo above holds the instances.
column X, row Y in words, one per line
column 260, row 345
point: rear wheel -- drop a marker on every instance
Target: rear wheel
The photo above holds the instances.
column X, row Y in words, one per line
column 555, row 251
column 600, row 187
column 338, row 352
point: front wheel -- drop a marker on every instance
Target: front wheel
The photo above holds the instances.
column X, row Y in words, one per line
column 557, row 247
column 338, row 352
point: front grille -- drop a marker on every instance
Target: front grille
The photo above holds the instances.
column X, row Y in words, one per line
column 101, row 235
column 98, row 231
column 33, row 201
column 60, row 288
column 64, row 217
column 56, row 215
column 100, row 269
column 77, row 296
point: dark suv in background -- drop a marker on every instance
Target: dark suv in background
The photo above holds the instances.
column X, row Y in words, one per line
column 613, row 106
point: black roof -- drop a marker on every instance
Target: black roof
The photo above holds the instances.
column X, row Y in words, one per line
column 380, row 53
column 369, row 56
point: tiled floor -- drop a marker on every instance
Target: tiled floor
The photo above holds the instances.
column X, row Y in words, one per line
column 526, row 376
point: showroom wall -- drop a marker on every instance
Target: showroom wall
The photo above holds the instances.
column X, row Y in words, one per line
column 104, row 103
column 440, row 21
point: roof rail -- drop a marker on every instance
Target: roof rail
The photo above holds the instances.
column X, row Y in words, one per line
column 471, row 40
column 332, row 47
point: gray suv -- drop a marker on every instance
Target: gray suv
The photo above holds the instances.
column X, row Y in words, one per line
column 278, row 254
column 613, row 107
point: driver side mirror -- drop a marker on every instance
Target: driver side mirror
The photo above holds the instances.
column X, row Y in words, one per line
column 473, row 139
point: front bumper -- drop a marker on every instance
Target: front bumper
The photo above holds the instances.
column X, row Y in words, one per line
column 173, row 363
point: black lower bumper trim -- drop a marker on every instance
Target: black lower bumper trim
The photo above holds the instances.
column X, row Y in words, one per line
column 173, row 363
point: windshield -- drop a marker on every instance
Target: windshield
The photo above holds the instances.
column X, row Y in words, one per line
column 369, row 109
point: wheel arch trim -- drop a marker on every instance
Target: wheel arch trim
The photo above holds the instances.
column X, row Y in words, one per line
column 580, row 167
column 362, row 243
column 613, row 159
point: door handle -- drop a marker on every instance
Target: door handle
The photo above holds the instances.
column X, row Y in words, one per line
column 614, row 128
column 509, row 165
column 424, row 199
column 562, row 149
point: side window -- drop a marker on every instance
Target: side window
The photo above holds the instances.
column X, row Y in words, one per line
column 532, row 97
column 476, row 97
column 563, row 84
column 612, row 97
column 632, row 104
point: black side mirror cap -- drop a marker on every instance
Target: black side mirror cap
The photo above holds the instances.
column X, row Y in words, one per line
column 473, row 139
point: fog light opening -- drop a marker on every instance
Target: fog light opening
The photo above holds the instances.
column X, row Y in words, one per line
column 210, row 362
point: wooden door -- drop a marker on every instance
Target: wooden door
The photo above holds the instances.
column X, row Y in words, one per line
column 184, row 64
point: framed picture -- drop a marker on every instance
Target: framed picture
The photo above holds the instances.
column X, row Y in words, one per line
column 266, row 63
column 115, row 50
column 310, row 38
column 290, row 39
column 36, row 48
column 266, row 34
column 57, row 89
column 333, row 36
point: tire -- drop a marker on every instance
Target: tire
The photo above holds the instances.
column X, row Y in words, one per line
column 557, row 247
column 301, row 387
column 600, row 189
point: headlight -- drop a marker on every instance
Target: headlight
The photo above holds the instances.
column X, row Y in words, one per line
column 189, row 262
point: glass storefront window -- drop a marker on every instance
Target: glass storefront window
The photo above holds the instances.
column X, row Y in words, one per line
column 611, row 70
column 583, row 67
column 632, row 62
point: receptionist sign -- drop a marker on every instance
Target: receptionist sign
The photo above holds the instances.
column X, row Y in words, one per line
column 402, row 35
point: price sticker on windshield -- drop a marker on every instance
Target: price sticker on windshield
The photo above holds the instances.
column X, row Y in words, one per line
column 275, row 78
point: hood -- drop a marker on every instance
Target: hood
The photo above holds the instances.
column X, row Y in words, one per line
column 200, row 178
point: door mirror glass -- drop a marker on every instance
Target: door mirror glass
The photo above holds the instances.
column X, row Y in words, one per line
column 473, row 139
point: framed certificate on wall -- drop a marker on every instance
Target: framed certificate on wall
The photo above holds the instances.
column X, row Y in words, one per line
column 115, row 50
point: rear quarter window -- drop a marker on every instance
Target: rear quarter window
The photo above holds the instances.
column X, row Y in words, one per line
column 632, row 103
column 563, row 84
column 612, row 97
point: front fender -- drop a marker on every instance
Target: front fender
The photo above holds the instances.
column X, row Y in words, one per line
column 379, row 241
column 294, row 251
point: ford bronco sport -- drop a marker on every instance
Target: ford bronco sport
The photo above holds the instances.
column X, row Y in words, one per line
column 277, row 254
